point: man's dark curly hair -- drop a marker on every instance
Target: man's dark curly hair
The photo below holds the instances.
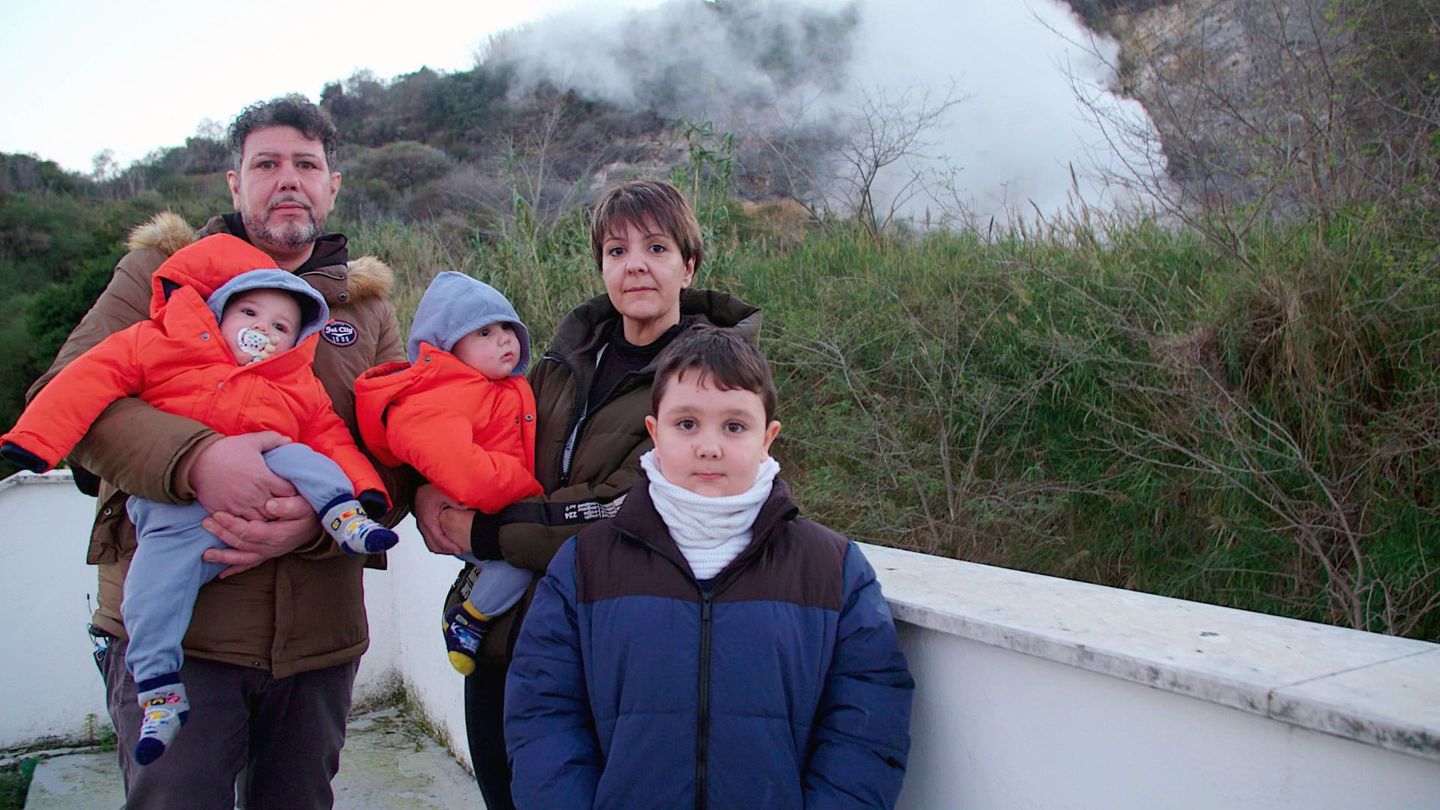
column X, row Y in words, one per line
column 293, row 110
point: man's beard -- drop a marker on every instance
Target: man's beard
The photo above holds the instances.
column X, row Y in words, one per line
column 289, row 235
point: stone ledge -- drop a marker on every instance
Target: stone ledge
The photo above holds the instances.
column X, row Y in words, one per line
column 26, row 477
column 1371, row 688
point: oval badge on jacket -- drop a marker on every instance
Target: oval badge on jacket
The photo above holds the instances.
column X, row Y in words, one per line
column 339, row 332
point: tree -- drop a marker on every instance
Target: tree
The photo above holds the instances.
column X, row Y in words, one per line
column 871, row 162
column 886, row 134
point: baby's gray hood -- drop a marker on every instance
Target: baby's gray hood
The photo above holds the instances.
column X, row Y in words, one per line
column 314, row 314
column 455, row 305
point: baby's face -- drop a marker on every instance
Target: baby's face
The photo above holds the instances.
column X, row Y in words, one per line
column 257, row 324
column 492, row 350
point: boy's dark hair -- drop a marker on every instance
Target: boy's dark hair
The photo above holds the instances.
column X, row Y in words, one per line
column 293, row 110
column 729, row 360
column 642, row 201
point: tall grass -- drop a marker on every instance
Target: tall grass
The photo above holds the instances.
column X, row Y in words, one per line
column 1124, row 406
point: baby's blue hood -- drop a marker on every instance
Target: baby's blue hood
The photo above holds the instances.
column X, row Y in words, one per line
column 456, row 305
column 314, row 314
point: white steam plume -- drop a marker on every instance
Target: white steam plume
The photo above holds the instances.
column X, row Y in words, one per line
column 1020, row 137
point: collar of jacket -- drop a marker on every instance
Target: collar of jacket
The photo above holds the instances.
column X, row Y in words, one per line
column 328, row 269
column 638, row 519
column 588, row 326
column 437, row 367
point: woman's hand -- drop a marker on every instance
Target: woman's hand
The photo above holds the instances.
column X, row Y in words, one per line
column 443, row 523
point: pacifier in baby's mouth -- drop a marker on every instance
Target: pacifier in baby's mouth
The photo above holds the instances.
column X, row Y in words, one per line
column 254, row 343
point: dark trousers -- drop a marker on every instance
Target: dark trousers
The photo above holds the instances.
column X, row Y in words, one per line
column 485, row 731
column 286, row 733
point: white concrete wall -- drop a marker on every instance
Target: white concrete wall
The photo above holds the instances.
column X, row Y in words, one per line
column 47, row 594
column 404, row 604
column 1039, row 692
column 47, row 672
column 1031, row 691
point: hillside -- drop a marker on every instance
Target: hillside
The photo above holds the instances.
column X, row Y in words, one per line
column 1233, row 399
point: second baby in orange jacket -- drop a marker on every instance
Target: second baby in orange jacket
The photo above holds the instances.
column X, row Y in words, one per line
column 463, row 416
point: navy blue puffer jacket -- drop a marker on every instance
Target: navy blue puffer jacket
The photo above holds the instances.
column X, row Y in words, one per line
column 779, row 684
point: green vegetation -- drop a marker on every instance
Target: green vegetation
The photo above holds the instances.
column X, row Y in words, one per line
column 15, row 783
column 1238, row 404
column 1127, row 405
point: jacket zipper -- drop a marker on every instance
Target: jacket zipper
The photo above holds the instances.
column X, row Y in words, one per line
column 702, row 721
column 578, row 425
column 574, row 417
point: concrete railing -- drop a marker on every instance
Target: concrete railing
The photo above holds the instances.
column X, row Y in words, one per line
column 1030, row 691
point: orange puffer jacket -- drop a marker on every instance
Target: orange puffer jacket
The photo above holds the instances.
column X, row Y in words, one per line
column 178, row 362
column 471, row 436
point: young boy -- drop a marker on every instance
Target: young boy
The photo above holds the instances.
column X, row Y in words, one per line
column 707, row 647
column 463, row 416
column 230, row 342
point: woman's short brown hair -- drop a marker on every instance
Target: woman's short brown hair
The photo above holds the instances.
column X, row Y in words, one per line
column 640, row 202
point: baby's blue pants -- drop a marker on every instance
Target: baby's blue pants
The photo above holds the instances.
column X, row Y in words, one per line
column 167, row 571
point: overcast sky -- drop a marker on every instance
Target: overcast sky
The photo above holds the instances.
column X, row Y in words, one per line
column 80, row 76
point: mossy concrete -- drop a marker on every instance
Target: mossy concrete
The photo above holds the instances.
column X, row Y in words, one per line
column 388, row 762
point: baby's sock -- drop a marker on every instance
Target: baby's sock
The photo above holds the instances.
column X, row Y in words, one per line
column 464, row 629
column 164, row 709
column 355, row 531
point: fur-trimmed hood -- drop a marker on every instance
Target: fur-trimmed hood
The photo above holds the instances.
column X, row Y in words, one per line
column 168, row 232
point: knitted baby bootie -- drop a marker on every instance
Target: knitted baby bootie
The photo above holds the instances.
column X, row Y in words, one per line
column 464, row 630
column 355, row 531
column 165, row 709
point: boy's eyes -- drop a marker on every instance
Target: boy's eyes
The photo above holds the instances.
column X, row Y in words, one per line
column 689, row 423
column 280, row 327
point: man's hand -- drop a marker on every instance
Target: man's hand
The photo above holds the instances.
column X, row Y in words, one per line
column 230, row 476
column 286, row 524
column 443, row 523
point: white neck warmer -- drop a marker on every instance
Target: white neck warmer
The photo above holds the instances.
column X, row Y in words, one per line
column 710, row 531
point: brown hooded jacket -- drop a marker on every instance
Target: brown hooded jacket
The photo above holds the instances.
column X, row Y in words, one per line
column 295, row 613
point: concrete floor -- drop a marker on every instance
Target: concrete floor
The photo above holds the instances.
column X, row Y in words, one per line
column 388, row 762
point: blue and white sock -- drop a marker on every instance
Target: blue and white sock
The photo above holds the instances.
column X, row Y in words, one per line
column 347, row 522
column 164, row 709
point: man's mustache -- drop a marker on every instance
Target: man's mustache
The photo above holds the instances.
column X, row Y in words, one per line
column 287, row 200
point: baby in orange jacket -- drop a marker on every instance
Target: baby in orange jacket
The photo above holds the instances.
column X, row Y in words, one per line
column 230, row 342
column 463, row 416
